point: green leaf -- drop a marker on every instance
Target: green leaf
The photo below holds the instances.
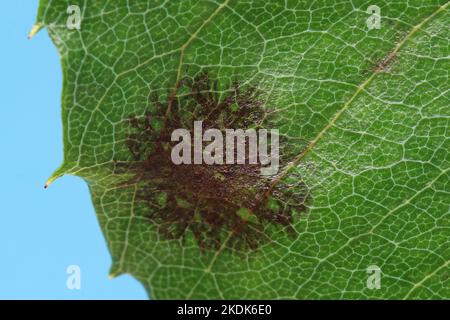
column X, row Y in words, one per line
column 364, row 113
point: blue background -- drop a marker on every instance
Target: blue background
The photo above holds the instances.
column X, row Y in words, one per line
column 42, row 232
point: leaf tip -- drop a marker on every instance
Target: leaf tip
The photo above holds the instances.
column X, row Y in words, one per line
column 50, row 181
column 62, row 170
column 114, row 271
column 113, row 275
column 34, row 30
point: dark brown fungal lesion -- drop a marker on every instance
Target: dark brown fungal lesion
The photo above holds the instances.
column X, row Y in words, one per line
column 214, row 203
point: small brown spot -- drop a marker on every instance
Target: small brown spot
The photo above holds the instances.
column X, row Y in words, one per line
column 385, row 64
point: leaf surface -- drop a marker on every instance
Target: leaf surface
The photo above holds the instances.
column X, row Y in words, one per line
column 366, row 113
